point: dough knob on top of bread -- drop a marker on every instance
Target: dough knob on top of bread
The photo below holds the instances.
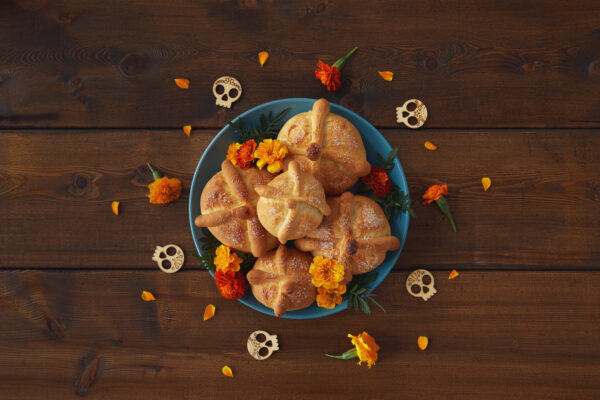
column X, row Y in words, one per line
column 292, row 204
column 327, row 145
column 281, row 280
column 228, row 206
column 356, row 234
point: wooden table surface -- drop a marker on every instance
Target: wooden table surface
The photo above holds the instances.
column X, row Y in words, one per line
column 87, row 98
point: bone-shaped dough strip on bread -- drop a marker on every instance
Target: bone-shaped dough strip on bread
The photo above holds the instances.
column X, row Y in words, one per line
column 318, row 116
column 383, row 243
column 234, row 180
column 222, row 217
column 357, row 167
column 275, row 193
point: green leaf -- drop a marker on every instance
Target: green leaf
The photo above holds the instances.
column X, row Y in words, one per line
column 364, row 305
column 348, row 355
column 443, row 205
column 370, row 297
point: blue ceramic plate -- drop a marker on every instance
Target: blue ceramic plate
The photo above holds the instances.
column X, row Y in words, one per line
column 374, row 143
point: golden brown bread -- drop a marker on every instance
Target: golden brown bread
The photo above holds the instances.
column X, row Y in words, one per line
column 228, row 207
column 292, row 204
column 280, row 280
column 327, row 145
column 356, row 234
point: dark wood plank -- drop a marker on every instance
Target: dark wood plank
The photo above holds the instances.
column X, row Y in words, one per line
column 493, row 335
column 79, row 63
column 542, row 210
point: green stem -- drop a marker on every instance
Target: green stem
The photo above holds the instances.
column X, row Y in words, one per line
column 443, row 205
column 339, row 64
column 154, row 171
column 350, row 354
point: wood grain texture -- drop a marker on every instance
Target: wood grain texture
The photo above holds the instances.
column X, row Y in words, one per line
column 75, row 63
column 542, row 210
column 493, row 335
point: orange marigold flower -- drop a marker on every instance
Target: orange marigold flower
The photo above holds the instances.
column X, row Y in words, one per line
column 329, row 298
column 327, row 273
column 242, row 155
column 434, row 192
column 270, row 152
column 226, row 260
column 232, row 285
column 366, row 348
column 379, row 181
column 328, row 75
column 164, row 190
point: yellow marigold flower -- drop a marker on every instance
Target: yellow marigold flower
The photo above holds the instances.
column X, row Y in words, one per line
column 329, row 298
column 366, row 348
column 164, row 190
column 226, row 260
column 327, row 273
column 270, row 152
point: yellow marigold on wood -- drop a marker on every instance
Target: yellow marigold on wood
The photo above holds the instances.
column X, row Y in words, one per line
column 329, row 298
column 366, row 348
column 226, row 260
column 271, row 153
column 327, row 273
column 164, row 190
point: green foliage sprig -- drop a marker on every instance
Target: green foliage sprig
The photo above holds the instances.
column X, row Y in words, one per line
column 268, row 128
column 357, row 295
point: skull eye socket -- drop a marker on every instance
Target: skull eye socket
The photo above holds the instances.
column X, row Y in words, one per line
column 261, row 337
column 166, row 264
column 413, row 121
column 411, row 106
column 415, row 289
column 426, row 279
column 220, row 89
column 171, row 251
column 233, row 93
column 263, row 351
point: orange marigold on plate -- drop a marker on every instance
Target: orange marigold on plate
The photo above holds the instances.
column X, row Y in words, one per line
column 242, row 155
column 232, row 285
column 327, row 273
column 271, row 153
column 329, row 298
column 226, row 260
column 379, row 181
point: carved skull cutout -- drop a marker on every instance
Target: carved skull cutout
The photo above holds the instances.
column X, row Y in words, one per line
column 261, row 341
column 406, row 116
column 226, row 90
column 420, row 284
column 169, row 258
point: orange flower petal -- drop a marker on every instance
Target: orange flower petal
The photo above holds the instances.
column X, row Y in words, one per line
column 430, row 146
column 387, row 75
column 115, row 207
column 209, row 312
column 147, row 296
column 486, row 182
column 227, row 371
column 453, row 274
column 422, row 342
column 263, row 56
column 187, row 129
column 182, row 83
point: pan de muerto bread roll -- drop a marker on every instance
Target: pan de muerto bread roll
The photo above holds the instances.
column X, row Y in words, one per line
column 327, row 145
column 280, row 280
column 228, row 207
